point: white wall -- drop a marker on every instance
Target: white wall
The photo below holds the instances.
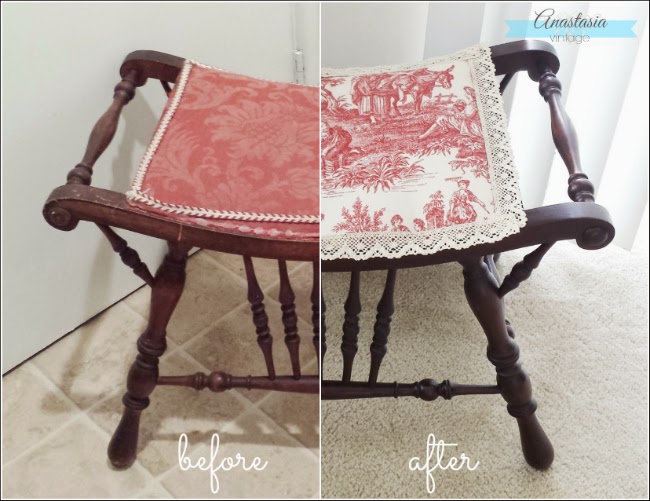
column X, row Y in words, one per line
column 370, row 34
column 60, row 64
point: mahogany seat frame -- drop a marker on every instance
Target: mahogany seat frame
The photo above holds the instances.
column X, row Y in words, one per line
column 581, row 220
column 78, row 201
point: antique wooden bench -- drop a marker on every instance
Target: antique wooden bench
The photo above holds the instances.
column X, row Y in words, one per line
column 581, row 220
column 78, row 201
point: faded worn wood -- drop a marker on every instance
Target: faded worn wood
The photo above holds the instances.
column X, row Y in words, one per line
column 260, row 318
column 69, row 204
column 352, row 308
column 523, row 269
column 143, row 376
column 78, row 201
column 129, row 256
column 166, row 87
column 385, row 310
column 104, row 130
column 289, row 318
column 218, row 382
column 427, row 389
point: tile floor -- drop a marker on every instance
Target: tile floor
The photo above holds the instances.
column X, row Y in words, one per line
column 60, row 408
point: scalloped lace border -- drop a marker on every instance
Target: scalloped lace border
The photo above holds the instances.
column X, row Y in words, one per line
column 509, row 215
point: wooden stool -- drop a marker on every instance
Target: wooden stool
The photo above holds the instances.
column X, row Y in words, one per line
column 284, row 239
column 581, row 220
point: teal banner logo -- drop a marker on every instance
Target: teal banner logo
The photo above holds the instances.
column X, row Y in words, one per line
column 574, row 28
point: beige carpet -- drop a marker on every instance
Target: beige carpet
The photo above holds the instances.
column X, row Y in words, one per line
column 581, row 324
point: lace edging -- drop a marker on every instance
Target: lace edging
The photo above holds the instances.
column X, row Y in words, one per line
column 509, row 215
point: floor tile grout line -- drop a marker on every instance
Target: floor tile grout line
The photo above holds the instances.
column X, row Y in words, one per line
column 245, row 282
column 251, row 410
column 286, row 432
column 137, row 462
column 78, row 414
column 211, row 326
column 154, row 483
column 76, row 411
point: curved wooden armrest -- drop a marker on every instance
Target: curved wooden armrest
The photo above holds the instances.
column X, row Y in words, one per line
column 68, row 204
column 524, row 55
column 588, row 224
column 152, row 64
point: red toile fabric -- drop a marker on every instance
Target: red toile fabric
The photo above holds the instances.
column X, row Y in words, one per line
column 415, row 159
column 235, row 153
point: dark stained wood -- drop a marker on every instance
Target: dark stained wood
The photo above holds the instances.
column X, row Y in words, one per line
column 78, row 201
column 289, row 318
column 427, row 390
column 588, row 224
column 129, row 256
column 323, row 330
column 69, row 204
column 565, row 137
column 385, row 310
column 523, row 269
column 315, row 316
column 505, row 81
column 352, row 307
column 260, row 318
column 142, row 378
column 482, row 294
column 220, row 381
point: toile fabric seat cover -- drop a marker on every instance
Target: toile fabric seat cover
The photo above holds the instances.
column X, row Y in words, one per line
column 236, row 154
column 415, row 159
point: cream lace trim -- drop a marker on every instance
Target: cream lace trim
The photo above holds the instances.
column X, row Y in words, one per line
column 136, row 193
column 509, row 215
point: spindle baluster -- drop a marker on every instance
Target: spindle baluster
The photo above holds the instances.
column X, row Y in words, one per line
column 314, row 307
column 260, row 318
column 385, row 310
column 323, row 330
column 289, row 318
column 352, row 307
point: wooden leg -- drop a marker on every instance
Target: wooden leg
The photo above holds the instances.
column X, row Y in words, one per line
column 143, row 376
column 481, row 289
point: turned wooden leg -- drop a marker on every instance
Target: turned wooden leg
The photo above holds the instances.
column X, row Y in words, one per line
column 481, row 289
column 143, row 375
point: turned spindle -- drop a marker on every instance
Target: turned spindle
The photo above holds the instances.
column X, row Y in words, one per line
column 565, row 137
column 481, row 291
column 260, row 318
column 385, row 310
column 129, row 256
column 323, row 330
column 289, row 318
column 314, row 307
column 523, row 269
column 352, row 308
column 143, row 375
column 104, row 131
column 218, row 382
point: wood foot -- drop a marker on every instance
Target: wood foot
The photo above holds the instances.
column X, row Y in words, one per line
column 123, row 444
column 481, row 290
column 143, row 375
